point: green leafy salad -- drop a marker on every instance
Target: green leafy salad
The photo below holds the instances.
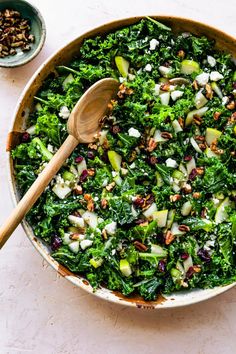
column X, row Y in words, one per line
column 149, row 207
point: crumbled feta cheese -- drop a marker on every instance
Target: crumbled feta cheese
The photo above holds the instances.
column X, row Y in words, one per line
column 124, row 171
column 211, row 61
column 148, row 67
column 113, row 252
column 95, row 199
column 153, row 44
column 85, row 244
column 131, row 77
column 132, row 166
column 176, row 94
column 225, row 100
column 172, row 42
column 215, row 76
column 64, row 112
column 157, row 89
column 202, row 79
column 111, row 228
column 165, row 71
column 114, row 173
column 171, row 163
column 50, row 148
column 76, row 220
column 122, row 79
column 134, row 132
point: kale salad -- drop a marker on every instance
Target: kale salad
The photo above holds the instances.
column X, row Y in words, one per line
column 149, row 206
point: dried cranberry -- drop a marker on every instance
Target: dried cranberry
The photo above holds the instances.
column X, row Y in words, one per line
column 56, row 243
column 184, row 255
column 78, row 159
column 90, row 155
column 152, row 160
column 138, row 202
column 115, row 129
column 193, row 174
column 83, row 176
column 161, row 266
column 160, row 238
column 25, row 137
column 188, row 158
column 190, row 272
column 204, row 255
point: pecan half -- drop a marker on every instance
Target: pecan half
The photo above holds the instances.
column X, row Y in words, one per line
column 216, row 115
column 166, row 135
column 197, row 119
column 140, row 246
column 165, row 87
column 209, row 91
column 181, row 53
column 187, row 188
column 78, row 190
column 169, row 237
column 195, row 85
column 151, row 145
column 175, row 197
column 200, row 170
column 104, row 203
column 181, row 122
column 184, row 228
column 200, row 138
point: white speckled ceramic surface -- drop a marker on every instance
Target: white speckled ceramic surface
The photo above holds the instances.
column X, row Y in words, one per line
column 43, row 313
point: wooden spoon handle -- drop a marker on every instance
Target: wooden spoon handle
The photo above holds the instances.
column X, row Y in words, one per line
column 37, row 189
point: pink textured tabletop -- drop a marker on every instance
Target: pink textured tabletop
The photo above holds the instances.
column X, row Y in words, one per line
column 41, row 312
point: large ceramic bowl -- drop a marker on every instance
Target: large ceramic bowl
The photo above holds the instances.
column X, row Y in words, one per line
column 223, row 41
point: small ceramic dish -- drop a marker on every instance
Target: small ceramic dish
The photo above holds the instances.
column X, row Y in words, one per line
column 38, row 30
column 26, row 102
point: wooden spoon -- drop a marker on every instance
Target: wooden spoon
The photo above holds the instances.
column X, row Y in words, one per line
column 83, row 124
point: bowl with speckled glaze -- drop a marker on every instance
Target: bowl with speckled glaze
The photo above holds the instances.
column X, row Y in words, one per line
column 25, row 103
column 37, row 28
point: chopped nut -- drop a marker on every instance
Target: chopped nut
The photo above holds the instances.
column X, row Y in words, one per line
column 186, row 188
column 91, row 171
column 140, row 246
column 169, row 237
column 181, row 54
column 165, row 87
column 151, row 145
column 175, row 197
column 87, row 197
column 104, row 203
column 90, row 205
column 184, row 228
column 203, row 212
column 104, row 234
column 200, row 170
column 202, row 146
column 181, row 122
column 200, row 138
column 195, row 85
column 166, row 135
column 231, row 105
column 145, row 223
column 133, row 156
column 110, row 186
column 209, row 91
column 197, row 268
column 196, row 195
column 92, row 146
column 216, row 115
column 197, row 119
column 78, row 190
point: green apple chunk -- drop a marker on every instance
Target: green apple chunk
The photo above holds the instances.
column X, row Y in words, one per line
column 189, row 66
column 125, row 267
column 115, row 160
column 160, row 217
column 212, row 135
column 199, row 112
column 221, row 214
column 210, row 153
column 122, row 65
